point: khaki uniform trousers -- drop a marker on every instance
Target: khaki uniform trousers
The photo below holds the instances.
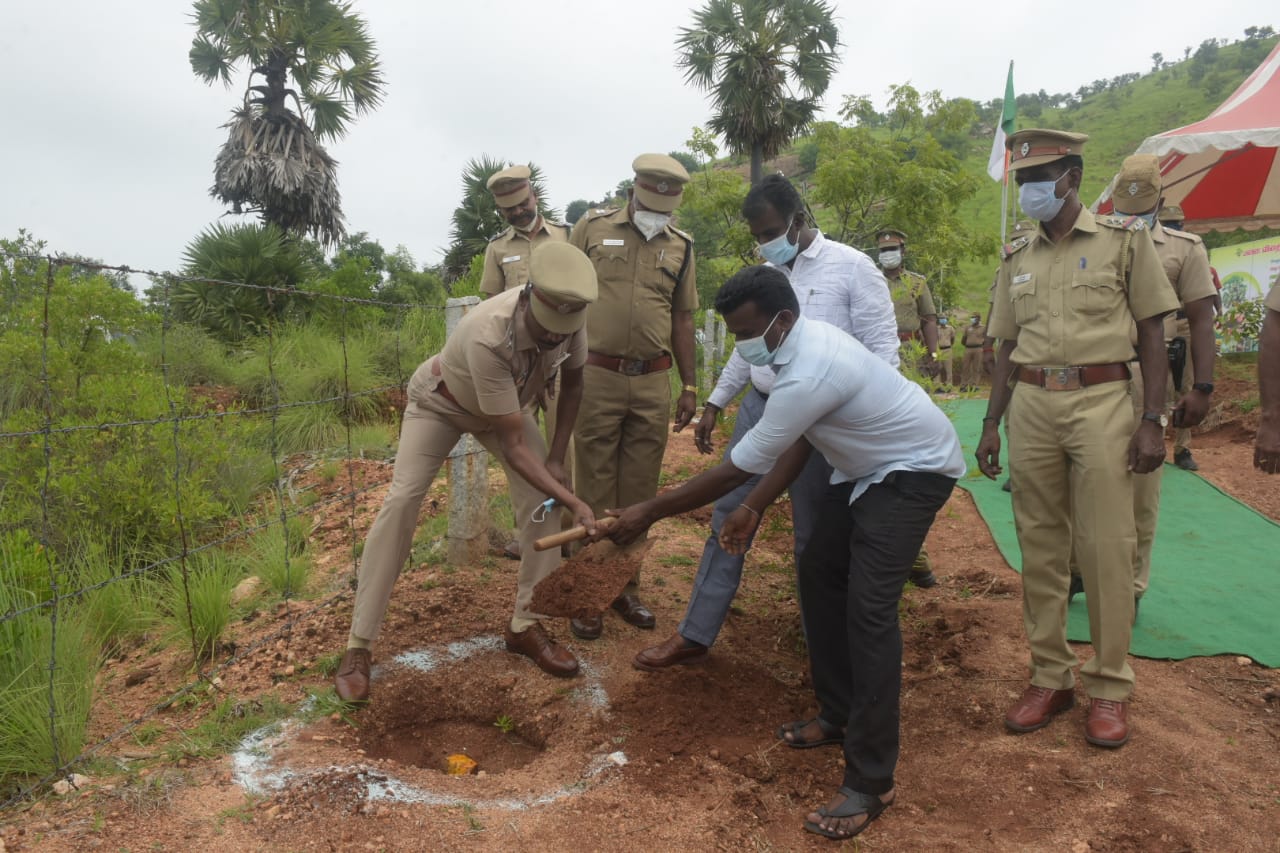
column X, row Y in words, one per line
column 549, row 430
column 620, row 437
column 948, row 364
column 432, row 426
column 1071, row 489
column 1182, row 435
column 971, row 367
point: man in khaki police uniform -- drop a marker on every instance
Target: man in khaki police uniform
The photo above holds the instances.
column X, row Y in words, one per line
column 506, row 258
column 1266, row 449
column 912, row 301
column 1186, row 265
column 643, row 319
column 506, row 267
column 946, row 340
column 974, row 339
column 502, row 352
column 1171, row 218
column 1066, row 297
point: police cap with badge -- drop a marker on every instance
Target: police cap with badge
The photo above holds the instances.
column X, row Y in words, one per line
column 562, row 283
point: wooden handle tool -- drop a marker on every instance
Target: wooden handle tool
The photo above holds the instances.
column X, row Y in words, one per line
column 573, row 534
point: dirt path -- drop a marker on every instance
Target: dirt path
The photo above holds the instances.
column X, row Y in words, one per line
column 702, row 767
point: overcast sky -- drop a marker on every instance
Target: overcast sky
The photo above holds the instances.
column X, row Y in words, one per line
column 108, row 139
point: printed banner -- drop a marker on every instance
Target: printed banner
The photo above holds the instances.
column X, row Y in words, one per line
column 1247, row 271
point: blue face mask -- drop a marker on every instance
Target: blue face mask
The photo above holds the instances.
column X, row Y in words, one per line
column 1039, row 199
column 755, row 350
column 779, row 250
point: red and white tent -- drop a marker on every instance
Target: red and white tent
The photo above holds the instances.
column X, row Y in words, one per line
column 1225, row 170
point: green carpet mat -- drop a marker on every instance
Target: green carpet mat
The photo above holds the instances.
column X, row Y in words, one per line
column 1215, row 577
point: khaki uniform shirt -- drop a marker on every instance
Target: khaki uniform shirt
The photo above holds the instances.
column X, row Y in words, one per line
column 1066, row 303
column 1273, row 298
column 1186, row 263
column 974, row 335
column 946, row 336
column 506, row 258
column 491, row 364
column 911, row 300
column 641, row 283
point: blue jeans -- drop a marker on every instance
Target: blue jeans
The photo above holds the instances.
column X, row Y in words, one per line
column 719, row 574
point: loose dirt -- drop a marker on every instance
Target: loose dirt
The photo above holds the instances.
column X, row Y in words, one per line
column 586, row 583
column 619, row 759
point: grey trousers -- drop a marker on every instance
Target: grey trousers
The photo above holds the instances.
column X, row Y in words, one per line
column 719, row 574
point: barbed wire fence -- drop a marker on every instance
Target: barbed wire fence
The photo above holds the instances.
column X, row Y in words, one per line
column 60, row 599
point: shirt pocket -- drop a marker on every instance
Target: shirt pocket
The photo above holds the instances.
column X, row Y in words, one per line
column 515, row 272
column 612, row 261
column 1023, row 296
column 1095, row 294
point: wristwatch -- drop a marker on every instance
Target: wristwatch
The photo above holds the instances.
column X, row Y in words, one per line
column 1156, row 418
column 1203, row 387
column 692, row 389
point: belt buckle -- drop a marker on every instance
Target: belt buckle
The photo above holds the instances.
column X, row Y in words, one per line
column 631, row 367
column 1061, row 376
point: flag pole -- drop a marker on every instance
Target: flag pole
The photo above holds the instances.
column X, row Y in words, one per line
column 1004, row 205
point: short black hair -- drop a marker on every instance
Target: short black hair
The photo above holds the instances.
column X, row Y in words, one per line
column 764, row 285
column 1072, row 161
column 773, row 191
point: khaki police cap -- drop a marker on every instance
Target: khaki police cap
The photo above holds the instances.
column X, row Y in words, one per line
column 889, row 237
column 1171, row 213
column 1036, row 146
column 1138, row 185
column 564, row 283
column 510, row 186
column 659, row 182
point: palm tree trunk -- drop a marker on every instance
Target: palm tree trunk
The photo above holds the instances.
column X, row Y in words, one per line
column 757, row 163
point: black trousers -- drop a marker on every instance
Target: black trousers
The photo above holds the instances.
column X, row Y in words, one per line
column 851, row 579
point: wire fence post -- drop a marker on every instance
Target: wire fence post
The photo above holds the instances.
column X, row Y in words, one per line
column 708, row 353
column 468, row 474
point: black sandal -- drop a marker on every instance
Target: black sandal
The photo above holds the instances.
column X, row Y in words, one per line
column 855, row 803
column 830, row 734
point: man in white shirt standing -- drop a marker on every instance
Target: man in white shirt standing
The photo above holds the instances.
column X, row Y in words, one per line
column 895, row 460
column 833, row 283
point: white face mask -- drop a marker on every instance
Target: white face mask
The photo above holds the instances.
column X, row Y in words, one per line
column 891, row 259
column 1039, row 199
column 650, row 222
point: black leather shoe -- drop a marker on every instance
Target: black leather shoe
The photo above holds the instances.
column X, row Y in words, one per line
column 1008, row 486
column 632, row 611
column 587, row 628
column 1183, row 460
column 1077, row 587
column 924, row 579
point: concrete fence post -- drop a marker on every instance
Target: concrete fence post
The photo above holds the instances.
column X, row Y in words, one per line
column 722, row 337
column 468, row 474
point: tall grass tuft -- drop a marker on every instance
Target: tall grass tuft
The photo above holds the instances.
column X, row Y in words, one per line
column 122, row 610
column 265, row 557
column 194, row 356
column 210, row 579
column 27, row 643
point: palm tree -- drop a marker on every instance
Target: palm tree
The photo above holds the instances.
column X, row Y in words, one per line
column 765, row 63
column 476, row 220
column 272, row 162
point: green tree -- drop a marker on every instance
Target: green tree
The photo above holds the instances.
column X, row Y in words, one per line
column 250, row 254
column 273, row 163
column 576, row 208
column 766, row 65
column 476, row 219
column 902, row 177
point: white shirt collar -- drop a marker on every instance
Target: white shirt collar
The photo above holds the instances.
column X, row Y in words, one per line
column 787, row 349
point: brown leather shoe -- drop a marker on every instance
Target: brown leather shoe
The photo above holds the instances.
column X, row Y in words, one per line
column 1037, row 707
column 1107, row 724
column 352, row 678
column 633, row 611
column 587, row 628
column 676, row 650
column 551, row 658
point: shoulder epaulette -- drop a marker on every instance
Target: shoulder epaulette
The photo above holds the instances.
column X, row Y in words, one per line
column 1184, row 235
column 1008, row 249
column 565, row 225
column 688, row 237
column 597, row 212
column 510, row 229
column 1124, row 223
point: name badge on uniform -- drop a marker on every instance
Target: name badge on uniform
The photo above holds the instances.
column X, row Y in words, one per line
column 510, row 259
column 1019, row 279
column 608, row 242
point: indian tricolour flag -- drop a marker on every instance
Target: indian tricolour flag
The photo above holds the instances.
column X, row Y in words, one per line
column 996, row 165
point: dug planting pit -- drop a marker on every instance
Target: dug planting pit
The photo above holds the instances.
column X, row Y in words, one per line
column 532, row 738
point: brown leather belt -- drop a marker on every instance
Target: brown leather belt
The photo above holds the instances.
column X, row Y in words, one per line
column 1073, row 378
column 630, row 366
column 972, row 346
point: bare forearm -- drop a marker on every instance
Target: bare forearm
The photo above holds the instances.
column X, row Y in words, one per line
column 1000, row 392
column 567, row 405
column 1154, row 361
column 682, row 346
column 1200, row 317
column 784, row 473
column 1269, row 366
column 700, row 491
column 535, row 473
column 929, row 332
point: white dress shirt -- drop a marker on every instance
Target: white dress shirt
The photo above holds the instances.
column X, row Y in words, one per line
column 836, row 284
column 854, row 408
